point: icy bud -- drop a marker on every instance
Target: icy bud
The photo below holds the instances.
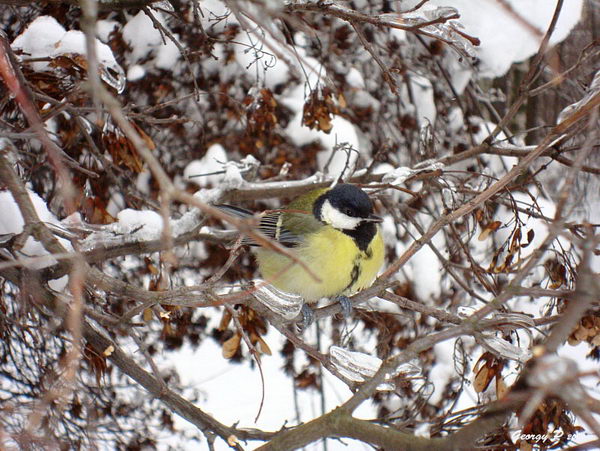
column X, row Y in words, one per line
column 447, row 28
column 519, row 319
column 358, row 366
column 504, row 349
column 592, row 90
column 399, row 175
column 284, row 304
column 428, row 166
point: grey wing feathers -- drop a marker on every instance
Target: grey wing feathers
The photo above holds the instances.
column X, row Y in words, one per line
column 269, row 225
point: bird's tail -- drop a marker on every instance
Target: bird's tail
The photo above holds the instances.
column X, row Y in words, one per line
column 235, row 211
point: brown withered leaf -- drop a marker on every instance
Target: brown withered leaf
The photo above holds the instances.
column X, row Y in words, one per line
column 587, row 330
column 556, row 271
column 151, row 268
column 488, row 229
column 230, row 347
column 501, row 388
column 123, row 151
column 530, row 236
column 167, row 330
column 225, row 320
column 581, row 333
column 261, row 118
column 307, row 379
column 479, row 215
column 515, row 241
column 147, row 140
column 494, row 262
column 94, row 211
column 254, row 327
column 341, row 37
column 166, row 420
column 324, row 123
column 160, row 283
column 96, row 362
column 588, row 322
column 486, row 369
column 72, row 64
column 147, row 315
column 318, row 110
column 482, row 379
column 262, row 346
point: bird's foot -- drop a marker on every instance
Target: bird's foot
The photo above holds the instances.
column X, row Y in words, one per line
column 346, row 306
column 308, row 316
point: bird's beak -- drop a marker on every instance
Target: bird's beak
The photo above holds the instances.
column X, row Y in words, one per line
column 373, row 218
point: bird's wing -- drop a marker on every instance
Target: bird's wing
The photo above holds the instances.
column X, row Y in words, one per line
column 270, row 224
column 273, row 224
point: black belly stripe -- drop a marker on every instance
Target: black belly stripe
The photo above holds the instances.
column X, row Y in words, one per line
column 355, row 274
column 363, row 235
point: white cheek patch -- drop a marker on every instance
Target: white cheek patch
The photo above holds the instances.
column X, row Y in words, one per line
column 337, row 219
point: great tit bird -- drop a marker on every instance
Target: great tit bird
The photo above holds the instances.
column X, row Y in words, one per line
column 334, row 232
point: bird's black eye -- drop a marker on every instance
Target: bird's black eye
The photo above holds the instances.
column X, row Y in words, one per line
column 348, row 211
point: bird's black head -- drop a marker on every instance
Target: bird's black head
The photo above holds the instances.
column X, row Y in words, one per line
column 345, row 207
column 350, row 200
